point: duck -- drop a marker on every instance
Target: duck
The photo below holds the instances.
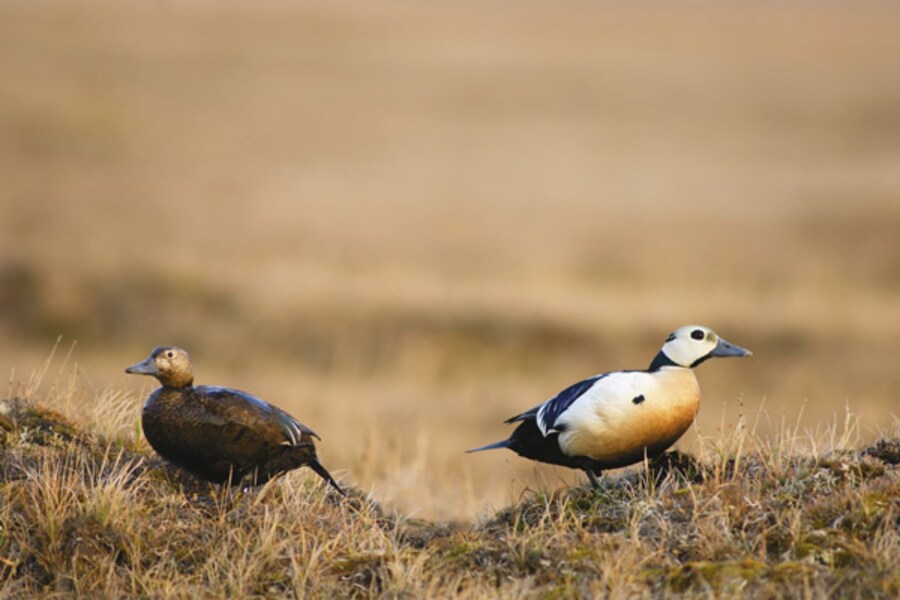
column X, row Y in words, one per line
column 219, row 434
column 617, row 419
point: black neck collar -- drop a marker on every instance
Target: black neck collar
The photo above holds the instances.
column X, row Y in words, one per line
column 660, row 361
column 701, row 359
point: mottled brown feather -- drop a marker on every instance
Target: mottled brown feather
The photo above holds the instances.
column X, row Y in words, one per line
column 219, row 434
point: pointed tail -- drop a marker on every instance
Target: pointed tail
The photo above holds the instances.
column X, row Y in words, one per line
column 322, row 472
column 503, row 444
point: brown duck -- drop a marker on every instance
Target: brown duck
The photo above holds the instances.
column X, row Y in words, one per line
column 220, row 434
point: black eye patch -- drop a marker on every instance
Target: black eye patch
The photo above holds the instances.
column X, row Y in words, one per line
column 698, row 334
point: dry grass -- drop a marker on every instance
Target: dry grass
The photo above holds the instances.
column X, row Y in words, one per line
column 405, row 223
column 89, row 512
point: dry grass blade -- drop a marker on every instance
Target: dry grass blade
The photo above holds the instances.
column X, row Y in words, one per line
column 85, row 516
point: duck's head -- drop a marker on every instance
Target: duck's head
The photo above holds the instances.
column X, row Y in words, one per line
column 690, row 345
column 170, row 365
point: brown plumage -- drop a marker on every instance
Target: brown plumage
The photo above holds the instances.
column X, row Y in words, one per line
column 220, row 434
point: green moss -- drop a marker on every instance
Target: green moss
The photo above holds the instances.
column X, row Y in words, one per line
column 563, row 590
column 33, row 424
column 793, row 573
column 719, row 576
column 849, row 464
column 460, row 550
column 582, row 553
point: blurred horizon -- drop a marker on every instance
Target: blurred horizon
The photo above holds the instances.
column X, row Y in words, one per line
column 406, row 222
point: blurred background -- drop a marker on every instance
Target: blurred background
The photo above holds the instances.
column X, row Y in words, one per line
column 405, row 222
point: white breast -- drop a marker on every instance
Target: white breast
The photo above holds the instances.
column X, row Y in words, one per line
column 629, row 413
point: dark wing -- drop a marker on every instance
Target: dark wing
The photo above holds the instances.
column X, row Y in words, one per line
column 292, row 429
column 550, row 410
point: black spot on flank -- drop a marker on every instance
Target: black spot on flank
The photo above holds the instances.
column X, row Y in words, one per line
column 638, row 399
column 698, row 334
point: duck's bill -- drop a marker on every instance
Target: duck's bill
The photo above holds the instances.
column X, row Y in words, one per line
column 724, row 348
column 146, row 367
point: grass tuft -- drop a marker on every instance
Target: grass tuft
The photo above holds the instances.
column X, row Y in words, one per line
column 89, row 513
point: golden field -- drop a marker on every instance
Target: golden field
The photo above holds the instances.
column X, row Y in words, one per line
column 406, row 223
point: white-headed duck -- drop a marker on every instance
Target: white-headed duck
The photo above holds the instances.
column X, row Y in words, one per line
column 615, row 419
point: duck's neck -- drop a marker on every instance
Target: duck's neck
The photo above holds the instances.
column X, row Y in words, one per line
column 178, row 383
column 660, row 361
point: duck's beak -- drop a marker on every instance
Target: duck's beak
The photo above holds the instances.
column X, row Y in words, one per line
column 725, row 348
column 147, row 367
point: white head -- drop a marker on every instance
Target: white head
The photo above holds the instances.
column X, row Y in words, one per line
column 690, row 345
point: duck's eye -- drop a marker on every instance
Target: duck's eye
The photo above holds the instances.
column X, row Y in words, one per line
column 698, row 334
column 170, row 354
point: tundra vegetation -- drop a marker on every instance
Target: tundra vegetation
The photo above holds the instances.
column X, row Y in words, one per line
column 403, row 223
column 87, row 509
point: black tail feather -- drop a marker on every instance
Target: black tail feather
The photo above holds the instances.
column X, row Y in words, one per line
column 503, row 444
column 528, row 441
column 322, row 472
